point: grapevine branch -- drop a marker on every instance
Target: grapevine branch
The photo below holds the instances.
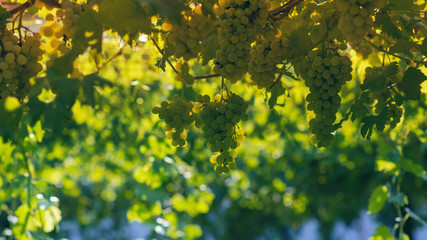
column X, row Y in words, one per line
column 21, row 7
column 162, row 52
column 174, row 69
column 207, row 76
column 51, row 3
column 392, row 54
column 282, row 11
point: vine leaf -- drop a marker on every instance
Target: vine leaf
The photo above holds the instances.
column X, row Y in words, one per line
column 276, row 92
column 10, row 116
column 410, row 84
column 423, row 47
column 89, row 83
column 378, row 198
column 4, row 15
column 211, row 46
column 165, row 8
column 126, row 17
column 382, row 233
column 402, row 5
column 413, row 168
column 377, row 81
column 300, row 42
column 369, row 122
column 385, row 23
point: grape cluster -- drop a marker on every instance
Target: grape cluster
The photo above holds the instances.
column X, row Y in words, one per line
column 382, row 98
column 324, row 72
column 178, row 116
column 187, row 36
column 362, row 48
column 218, row 120
column 19, row 61
column 239, row 23
column 183, row 74
column 356, row 17
column 267, row 52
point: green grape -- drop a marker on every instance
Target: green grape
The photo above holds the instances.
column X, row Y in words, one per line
column 236, row 32
column 319, row 70
column 218, row 120
column 178, row 116
column 265, row 55
column 183, row 74
column 19, row 62
column 356, row 17
column 187, row 37
column 382, row 100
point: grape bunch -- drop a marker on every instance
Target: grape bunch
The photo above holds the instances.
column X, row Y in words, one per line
column 19, row 61
column 183, row 74
column 267, row 52
column 362, row 48
column 239, row 23
column 381, row 99
column 218, row 120
column 187, row 37
column 178, row 116
column 356, row 17
column 324, row 72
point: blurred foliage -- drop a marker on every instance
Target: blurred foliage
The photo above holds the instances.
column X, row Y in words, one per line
column 85, row 149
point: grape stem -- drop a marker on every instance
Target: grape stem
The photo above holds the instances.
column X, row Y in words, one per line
column 392, row 54
column 282, row 11
column 174, row 69
column 208, row 76
column 22, row 7
column 162, row 52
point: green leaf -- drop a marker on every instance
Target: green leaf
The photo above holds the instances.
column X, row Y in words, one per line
column 166, row 9
column 378, row 199
column 10, row 116
column 402, row 5
column 300, row 42
column 276, row 92
column 89, row 32
column 386, row 166
column 387, row 26
column 125, row 17
column 382, row 233
column 410, row 84
column 4, row 16
column 410, row 166
column 374, row 82
column 423, row 47
column 369, row 121
column 89, row 83
column 192, row 231
column 210, row 48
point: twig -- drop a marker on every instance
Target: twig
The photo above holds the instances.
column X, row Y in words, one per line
column 281, row 12
column 22, row 7
column 392, row 54
column 162, row 52
column 120, row 52
column 208, row 76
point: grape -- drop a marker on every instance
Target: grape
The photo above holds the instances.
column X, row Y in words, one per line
column 236, row 32
column 218, row 119
column 355, row 19
column 324, row 72
column 363, row 48
column 178, row 116
column 183, row 73
column 381, row 99
column 187, row 37
column 18, row 63
column 265, row 55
